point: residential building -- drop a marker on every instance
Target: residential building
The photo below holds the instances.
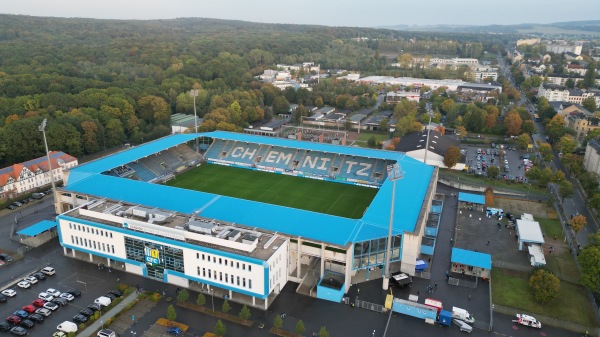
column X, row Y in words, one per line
column 563, row 48
column 554, row 92
column 515, row 55
column 591, row 160
column 28, row 176
column 531, row 41
column 576, row 69
column 397, row 96
column 573, row 57
column 582, row 124
column 479, row 73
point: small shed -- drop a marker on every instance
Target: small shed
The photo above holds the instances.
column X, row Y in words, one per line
column 471, row 201
column 536, row 255
column 529, row 233
column 471, row 263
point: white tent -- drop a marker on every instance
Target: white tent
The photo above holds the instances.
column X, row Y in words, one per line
column 529, row 232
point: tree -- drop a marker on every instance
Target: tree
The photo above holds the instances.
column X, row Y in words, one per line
column 300, row 329
column 589, row 78
column 244, row 313
column 452, row 156
column 513, row 123
column 323, row 332
column 570, row 83
column 220, row 329
column 226, row 307
column 589, row 260
column 523, row 141
column 566, row 144
column 489, row 196
column 556, row 127
column 461, row 132
column 493, row 172
column 528, row 127
column 565, row 189
column 201, row 299
column 281, row 105
column 183, row 295
column 558, row 177
column 590, row 104
column 171, row 314
column 578, row 223
column 277, row 322
column 546, row 151
column 544, row 285
column 154, row 110
column 372, row 142
column 405, row 60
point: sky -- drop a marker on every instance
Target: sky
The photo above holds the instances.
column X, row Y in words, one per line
column 353, row 13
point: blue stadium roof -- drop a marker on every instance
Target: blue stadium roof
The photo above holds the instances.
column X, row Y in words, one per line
column 472, row 198
column 471, row 258
column 37, row 228
column 410, row 193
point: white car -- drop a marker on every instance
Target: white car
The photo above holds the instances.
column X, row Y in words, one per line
column 53, row 292
column 67, row 296
column 31, row 279
column 51, row 306
column 24, row 284
column 43, row 311
column 46, row 297
column 9, row 292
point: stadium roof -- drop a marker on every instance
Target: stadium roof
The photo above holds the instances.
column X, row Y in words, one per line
column 295, row 222
column 471, row 258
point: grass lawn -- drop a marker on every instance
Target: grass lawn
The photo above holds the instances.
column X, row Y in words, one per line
column 480, row 180
column 551, row 228
column 510, row 289
column 339, row 199
column 363, row 137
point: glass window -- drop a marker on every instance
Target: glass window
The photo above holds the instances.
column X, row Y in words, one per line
column 238, row 280
column 220, row 261
column 244, row 282
column 250, row 283
column 202, row 257
column 238, row 266
column 243, row 266
column 203, row 272
column 72, row 239
column 198, row 270
column 249, row 267
column 221, row 276
column 209, row 273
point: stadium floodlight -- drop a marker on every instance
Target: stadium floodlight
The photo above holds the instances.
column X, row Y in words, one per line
column 395, row 173
column 194, row 94
column 42, row 129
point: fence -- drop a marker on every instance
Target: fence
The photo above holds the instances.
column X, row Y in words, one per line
column 368, row 305
column 462, row 283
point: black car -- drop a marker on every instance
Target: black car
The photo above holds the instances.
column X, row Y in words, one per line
column 36, row 318
column 87, row 312
column 80, row 318
column 60, row 301
column 2, row 298
column 11, row 207
column 95, row 307
column 39, row 276
column 116, row 292
column 6, row 257
column 27, row 323
column 5, row 326
column 111, row 296
column 75, row 292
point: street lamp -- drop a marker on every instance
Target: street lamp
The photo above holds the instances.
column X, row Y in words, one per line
column 212, row 298
column 194, row 94
column 373, row 333
column 427, row 142
column 394, row 172
column 42, row 129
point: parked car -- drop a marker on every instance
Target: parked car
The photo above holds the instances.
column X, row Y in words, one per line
column 46, row 297
column 5, row 257
column 60, row 301
column 36, row 318
column 9, row 293
column 94, row 307
column 79, row 318
column 462, row 325
column 53, row 292
column 528, row 321
column 24, row 284
column 27, row 323
column 51, row 306
column 74, row 292
column 11, row 207
column 87, row 312
column 111, row 296
column 13, row 319
column 116, row 292
column 19, row 331
column 174, row 331
column 31, row 279
column 48, row 271
column 39, row 276
column 3, row 298
column 39, row 303
column 67, row 296
column 21, row 313
column 59, row 334
column 43, row 311
column 106, row 333
column 5, row 326
column 29, row 308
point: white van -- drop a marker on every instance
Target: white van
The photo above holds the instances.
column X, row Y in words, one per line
column 462, row 314
column 48, row 271
column 462, row 325
column 67, row 327
column 103, row 300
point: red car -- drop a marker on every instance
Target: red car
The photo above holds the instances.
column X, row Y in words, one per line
column 39, row 302
column 13, row 320
column 29, row 308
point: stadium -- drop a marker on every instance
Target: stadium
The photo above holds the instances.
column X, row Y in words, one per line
column 244, row 214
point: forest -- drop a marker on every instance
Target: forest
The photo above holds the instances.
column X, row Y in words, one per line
column 101, row 83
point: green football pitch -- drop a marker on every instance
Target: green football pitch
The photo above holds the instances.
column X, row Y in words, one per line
column 349, row 201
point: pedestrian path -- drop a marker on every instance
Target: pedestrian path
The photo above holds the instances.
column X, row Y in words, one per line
column 89, row 331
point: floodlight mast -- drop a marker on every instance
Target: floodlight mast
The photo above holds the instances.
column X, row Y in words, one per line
column 42, row 129
column 194, row 94
column 395, row 173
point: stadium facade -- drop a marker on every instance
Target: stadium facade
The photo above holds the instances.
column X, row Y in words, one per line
column 116, row 211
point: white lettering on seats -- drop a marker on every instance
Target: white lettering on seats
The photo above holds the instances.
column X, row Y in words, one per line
column 284, row 157
column 364, row 170
column 237, row 152
column 249, row 153
column 271, row 156
column 310, row 161
column 324, row 163
column 350, row 164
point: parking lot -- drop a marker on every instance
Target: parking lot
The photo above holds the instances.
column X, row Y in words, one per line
column 506, row 157
column 62, row 281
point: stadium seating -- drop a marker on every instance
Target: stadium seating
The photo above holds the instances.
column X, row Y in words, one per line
column 316, row 163
column 142, row 172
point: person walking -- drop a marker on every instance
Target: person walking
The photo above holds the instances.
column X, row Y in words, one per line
column 469, row 297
